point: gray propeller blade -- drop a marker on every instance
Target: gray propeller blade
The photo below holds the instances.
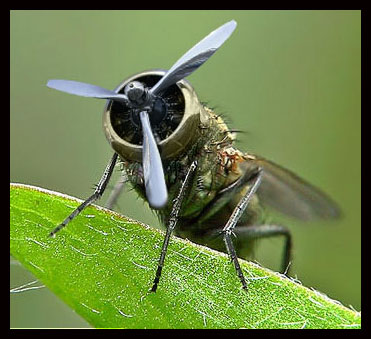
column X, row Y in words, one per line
column 154, row 178
column 195, row 57
column 85, row 90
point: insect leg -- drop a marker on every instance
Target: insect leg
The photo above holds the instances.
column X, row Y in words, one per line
column 236, row 214
column 172, row 222
column 228, row 193
column 96, row 195
column 265, row 231
column 112, row 199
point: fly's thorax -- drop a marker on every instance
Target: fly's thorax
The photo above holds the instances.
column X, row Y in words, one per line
column 211, row 147
column 217, row 166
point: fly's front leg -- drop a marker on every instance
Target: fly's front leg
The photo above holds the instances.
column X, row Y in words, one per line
column 96, row 195
column 172, row 222
column 227, row 231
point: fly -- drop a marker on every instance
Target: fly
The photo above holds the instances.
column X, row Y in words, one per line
column 179, row 156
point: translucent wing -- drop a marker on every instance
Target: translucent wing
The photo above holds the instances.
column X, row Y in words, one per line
column 291, row 195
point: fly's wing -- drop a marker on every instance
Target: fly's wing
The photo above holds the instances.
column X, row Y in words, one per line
column 291, row 195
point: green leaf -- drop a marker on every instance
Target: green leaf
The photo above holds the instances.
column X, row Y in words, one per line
column 103, row 264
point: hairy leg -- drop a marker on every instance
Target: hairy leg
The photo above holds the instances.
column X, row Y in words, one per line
column 267, row 231
column 172, row 222
column 228, row 229
column 95, row 196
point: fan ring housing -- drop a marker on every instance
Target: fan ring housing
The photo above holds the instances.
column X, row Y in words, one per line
column 175, row 118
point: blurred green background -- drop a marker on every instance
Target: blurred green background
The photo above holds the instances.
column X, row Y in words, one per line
column 290, row 79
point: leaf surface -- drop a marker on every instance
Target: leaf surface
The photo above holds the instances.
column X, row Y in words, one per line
column 103, row 264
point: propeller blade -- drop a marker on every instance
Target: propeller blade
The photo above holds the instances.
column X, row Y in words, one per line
column 195, row 57
column 154, row 178
column 85, row 90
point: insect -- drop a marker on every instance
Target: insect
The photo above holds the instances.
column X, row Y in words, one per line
column 179, row 156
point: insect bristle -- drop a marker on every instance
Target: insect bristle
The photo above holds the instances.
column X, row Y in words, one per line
column 200, row 184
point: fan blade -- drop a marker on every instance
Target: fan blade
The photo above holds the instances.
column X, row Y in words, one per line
column 154, row 178
column 85, row 90
column 195, row 57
